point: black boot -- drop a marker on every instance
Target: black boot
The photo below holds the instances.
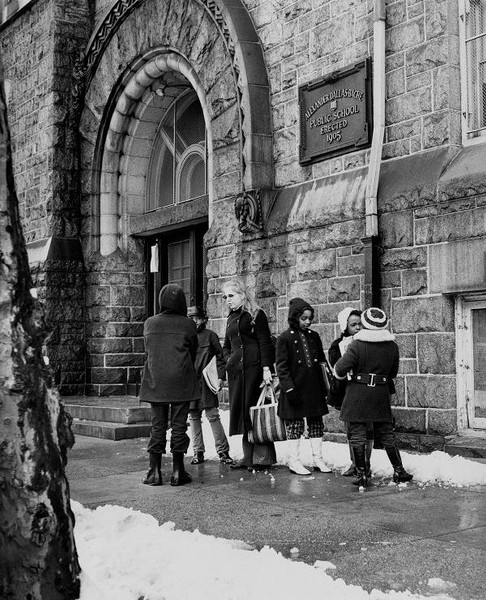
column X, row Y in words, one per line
column 179, row 475
column 154, row 474
column 399, row 473
column 351, row 470
column 360, row 462
column 369, row 449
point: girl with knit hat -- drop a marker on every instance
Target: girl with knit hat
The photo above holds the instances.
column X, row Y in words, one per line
column 299, row 353
column 349, row 320
column 372, row 359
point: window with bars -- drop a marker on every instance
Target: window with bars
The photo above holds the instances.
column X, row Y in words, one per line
column 473, row 26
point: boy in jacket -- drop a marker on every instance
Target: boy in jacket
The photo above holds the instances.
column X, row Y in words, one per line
column 208, row 347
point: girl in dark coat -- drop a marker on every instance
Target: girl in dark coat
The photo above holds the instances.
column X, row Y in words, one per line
column 208, row 347
column 303, row 394
column 249, row 351
column 372, row 359
column 169, row 380
column 349, row 320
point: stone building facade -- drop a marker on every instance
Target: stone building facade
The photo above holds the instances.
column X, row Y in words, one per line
column 159, row 141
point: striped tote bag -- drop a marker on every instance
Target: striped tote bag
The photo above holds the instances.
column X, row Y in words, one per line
column 267, row 426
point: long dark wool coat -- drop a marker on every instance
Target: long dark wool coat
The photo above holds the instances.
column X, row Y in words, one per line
column 248, row 348
column 369, row 352
column 293, row 371
column 208, row 346
column 171, row 346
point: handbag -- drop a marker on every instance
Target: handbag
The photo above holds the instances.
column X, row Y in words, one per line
column 335, row 388
column 327, row 376
column 267, row 426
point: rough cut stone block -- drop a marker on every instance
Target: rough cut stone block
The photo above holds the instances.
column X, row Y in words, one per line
column 398, row 399
column 436, row 353
column 403, row 258
column 397, row 229
column 409, row 105
column 436, row 129
column 432, row 391
column 407, row 366
column 449, row 227
column 414, row 282
column 108, row 376
column 422, row 314
column 314, row 291
column 427, row 56
column 314, row 265
column 344, row 289
column 407, row 345
column 350, row 265
column 408, row 420
column 442, row 422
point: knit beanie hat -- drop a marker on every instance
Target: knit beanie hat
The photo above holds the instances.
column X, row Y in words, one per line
column 374, row 318
column 343, row 317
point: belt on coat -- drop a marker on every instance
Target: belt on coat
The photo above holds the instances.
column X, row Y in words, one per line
column 370, row 379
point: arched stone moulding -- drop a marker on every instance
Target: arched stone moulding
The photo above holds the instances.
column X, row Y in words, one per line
column 244, row 51
column 132, row 129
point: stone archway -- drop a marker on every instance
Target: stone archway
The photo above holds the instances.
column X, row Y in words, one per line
column 216, row 46
column 130, row 135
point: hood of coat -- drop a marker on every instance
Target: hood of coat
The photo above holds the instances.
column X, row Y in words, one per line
column 173, row 300
column 296, row 308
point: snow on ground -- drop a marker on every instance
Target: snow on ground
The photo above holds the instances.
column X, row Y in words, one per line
column 127, row 555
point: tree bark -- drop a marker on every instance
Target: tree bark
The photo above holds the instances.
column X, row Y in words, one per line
column 38, row 558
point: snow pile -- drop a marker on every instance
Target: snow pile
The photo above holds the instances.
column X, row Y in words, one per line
column 127, row 555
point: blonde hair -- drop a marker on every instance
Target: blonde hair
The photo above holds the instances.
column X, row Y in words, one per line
column 249, row 302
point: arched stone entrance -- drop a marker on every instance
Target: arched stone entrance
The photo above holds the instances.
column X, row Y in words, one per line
column 213, row 48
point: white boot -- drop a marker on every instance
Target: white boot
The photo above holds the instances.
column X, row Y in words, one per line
column 319, row 464
column 295, row 465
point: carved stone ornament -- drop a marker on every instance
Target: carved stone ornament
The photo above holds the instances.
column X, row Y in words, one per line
column 248, row 211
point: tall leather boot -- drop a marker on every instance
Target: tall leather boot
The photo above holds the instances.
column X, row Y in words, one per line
column 319, row 464
column 179, row 475
column 399, row 473
column 154, row 474
column 351, row 470
column 369, row 449
column 295, row 465
column 360, row 461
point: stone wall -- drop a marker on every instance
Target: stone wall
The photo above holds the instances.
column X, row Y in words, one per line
column 39, row 46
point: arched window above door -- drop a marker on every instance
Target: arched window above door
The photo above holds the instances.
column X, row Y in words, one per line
column 177, row 166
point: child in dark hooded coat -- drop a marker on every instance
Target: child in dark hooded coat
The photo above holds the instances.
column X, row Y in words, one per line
column 299, row 353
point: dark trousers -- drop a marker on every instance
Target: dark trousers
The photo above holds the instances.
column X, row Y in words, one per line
column 179, row 440
column 358, row 433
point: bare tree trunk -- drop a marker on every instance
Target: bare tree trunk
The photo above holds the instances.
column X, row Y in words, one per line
column 38, row 559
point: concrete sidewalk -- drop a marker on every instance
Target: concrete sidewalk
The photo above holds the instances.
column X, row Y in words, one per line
column 387, row 538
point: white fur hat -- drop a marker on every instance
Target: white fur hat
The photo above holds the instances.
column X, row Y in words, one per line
column 343, row 317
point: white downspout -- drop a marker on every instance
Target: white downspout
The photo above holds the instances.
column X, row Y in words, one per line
column 379, row 91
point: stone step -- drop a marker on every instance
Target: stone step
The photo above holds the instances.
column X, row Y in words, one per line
column 110, row 414
column 469, row 446
column 111, row 431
